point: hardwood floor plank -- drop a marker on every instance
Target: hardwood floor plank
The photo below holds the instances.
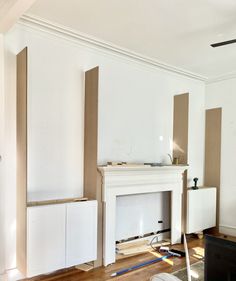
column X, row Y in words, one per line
column 144, row 274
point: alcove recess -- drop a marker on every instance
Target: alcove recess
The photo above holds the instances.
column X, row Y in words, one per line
column 180, row 142
column 24, row 245
column 212, row 169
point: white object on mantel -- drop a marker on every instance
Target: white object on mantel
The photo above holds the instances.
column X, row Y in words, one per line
column 118, row 181
column 201, row 209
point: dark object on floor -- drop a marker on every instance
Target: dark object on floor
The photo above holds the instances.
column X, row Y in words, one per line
column 220, row 259
column 180, row 253
column 195, row 183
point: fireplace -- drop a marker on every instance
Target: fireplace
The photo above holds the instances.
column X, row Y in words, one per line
column 118, row 181
column 142, row 215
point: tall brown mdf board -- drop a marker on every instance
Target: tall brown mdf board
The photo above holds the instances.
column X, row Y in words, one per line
column 90, row 131
column 92, row 179
column 180, row 125
column 21, row 142
column 213, row 152
column 180, row 141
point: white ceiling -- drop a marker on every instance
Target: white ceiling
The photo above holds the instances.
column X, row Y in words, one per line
column 176, row 32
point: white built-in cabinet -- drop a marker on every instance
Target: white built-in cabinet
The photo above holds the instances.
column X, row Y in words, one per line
column 201, row 209
column 60, row 236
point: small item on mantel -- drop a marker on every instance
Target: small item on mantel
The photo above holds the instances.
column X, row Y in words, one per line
column 124, row 164
column 195, row 184
column 113, row 163
column 175, row 160
column 156, row 164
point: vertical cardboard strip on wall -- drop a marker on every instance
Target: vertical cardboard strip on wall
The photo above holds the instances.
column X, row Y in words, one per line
column 180, row 142
column 213, row 152
column 91, row 132
column 21, row 142
column 180, row 132
column 92, row 180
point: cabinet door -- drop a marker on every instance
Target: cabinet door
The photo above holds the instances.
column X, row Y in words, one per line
column 45, row 239
column 201, row 209
column 81, row 232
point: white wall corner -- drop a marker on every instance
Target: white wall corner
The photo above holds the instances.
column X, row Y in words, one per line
column 11, row 11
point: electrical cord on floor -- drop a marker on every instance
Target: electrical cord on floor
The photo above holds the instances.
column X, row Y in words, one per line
column 158, row 233
column 151, row 243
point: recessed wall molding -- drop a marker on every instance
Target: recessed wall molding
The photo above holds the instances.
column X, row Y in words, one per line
column 212, row 170
column 84, row 39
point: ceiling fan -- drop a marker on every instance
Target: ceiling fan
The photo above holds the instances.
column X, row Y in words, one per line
column 223, row 43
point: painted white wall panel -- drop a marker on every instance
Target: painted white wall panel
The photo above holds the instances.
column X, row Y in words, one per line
column 222, row 94
column 45, row 239
column 55, row 131
column 81, row 232
column 135, row 121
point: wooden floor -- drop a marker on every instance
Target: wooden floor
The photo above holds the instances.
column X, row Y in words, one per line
column 196, row 252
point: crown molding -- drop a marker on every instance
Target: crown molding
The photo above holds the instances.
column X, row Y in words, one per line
column 81, row 38
column 227, row 76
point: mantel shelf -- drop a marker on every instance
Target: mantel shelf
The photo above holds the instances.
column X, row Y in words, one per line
column 143, row 168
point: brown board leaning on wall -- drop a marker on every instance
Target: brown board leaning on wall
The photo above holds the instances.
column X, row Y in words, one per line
column 21, row 143
column 180, row 142
column 213, row 153
column 92, row 179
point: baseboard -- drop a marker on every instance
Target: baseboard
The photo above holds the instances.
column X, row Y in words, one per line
column 228, row 230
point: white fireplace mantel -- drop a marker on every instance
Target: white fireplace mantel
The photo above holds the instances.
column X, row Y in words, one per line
column 127, row 180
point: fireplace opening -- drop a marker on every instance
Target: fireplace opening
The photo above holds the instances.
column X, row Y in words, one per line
column 142, row 217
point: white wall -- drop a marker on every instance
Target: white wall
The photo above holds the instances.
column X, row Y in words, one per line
column 2, row 201
column 135, row 121
column 222, row 94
